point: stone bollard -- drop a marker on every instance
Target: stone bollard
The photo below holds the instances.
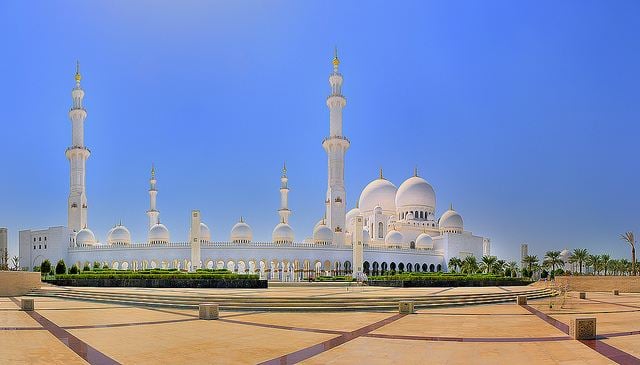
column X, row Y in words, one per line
column 521, row 299
column 26, row 304
column 583, row 295
column 208, row 311
column 616, row 292
column 405, row 306
column 582, row 328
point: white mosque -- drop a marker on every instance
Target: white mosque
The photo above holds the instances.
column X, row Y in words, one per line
column 391, row 228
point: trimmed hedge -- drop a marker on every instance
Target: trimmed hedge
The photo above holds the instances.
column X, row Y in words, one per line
column 444, row 280
column 161, row 281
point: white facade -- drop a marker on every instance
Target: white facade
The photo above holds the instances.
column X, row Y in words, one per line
column 392, row 228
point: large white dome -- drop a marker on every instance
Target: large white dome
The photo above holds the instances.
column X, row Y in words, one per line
column 159, row 234
column 378, row 192
column 119, row 235
column 394, row 238
column 424, row 241
column 85, row 237
column 283, row 233
column 241, row 232
column 205, row 233
column 415, row 191
column 451, row 221
column 323, row 235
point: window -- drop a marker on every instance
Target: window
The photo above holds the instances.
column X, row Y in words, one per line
column 34, row 239
column 39, row 247
column 45, row 238
column 39, row 239
column 380, row 230
column 34, row 247
column 45, row 246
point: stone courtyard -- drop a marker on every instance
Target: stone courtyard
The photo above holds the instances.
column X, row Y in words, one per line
column 70, row 331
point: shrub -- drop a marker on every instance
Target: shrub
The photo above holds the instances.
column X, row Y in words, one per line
column 73, row 270
column 45, row 267
column 96, row 265
column 61, row 268
column 106, row 266
column 86, row 267
column 544, row 274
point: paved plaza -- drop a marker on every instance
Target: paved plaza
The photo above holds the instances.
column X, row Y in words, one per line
column 75, row 332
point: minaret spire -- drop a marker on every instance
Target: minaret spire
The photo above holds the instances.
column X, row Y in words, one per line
column 153, row 213
column 336, row 145
column 284, row 211
column 77, row 154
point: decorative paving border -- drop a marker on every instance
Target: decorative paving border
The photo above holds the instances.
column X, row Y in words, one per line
column 84, row 350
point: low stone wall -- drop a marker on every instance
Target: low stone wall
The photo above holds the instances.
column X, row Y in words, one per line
column 626, row 284
column 163, row 283
column 16, row 283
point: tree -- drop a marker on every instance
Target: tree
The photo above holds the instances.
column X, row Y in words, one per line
column 61, row 268
column 624, row 266
column 488, row 262
column 499, row 268
column 513, row 267
column 580, row 255
column 469, row 265
column 605, row 262
column 15, row 262
column 552, row 258
column 455, row 263
column 96, row 265
column 530, row 261
column 74, row 269
column 45, row 267
column 595, row 262
column 4, row 259
column 631, row 240
column 86, row 267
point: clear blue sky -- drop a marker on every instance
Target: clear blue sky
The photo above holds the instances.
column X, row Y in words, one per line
column 524, row 115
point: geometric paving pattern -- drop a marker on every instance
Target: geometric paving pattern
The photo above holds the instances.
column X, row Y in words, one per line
column 73, row 332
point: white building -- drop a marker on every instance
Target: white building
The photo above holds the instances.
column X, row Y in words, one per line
column 400, row 227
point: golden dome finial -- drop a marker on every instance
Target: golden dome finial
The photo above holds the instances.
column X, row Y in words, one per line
column 415, row 171
column 381, row 176
column 336, row 61
column 78, row 76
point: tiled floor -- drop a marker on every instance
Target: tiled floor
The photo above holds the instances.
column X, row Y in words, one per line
column 68, row 332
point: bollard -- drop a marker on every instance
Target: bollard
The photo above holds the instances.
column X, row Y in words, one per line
column 26, row 304
column 583, row 295
column 616, row 292
column 521, row 299
column 582, row 328
column 405, row 307
column 208, row 311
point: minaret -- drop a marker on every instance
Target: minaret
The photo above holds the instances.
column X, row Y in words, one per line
column 77, row 154
column 336, row 146
column 284, row 211
column 153, row 213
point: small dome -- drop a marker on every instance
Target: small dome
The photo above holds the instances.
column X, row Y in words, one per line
column 378, row 192
column 241, row 233
column 394, row 238
column 85, row 237
column 351, row 215
column 323, row 235
column 159, row 234
column 119, row 235
column 415, row 191
column 283, row 233
column 205, row 233
column 451, row 221
column 424, row 241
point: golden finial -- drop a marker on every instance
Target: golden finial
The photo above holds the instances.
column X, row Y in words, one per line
column 153, row 171
column 284, row 168
column 78, row 76
column 336, row 61
column 415, row 171
column 241, row 219
column 451, row 206
column 381, row 176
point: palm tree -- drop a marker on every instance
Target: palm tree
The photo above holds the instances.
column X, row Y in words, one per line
column 580, row 255
column 488, row 263
column 595, row 261
column 455, row 263
column 624, row 266
column 631, row 240
column 469, row 265
column 513, row 267
column 498, row 267
column 605, row 262
column 15, row 261
column 553, row 258
column 530, row 260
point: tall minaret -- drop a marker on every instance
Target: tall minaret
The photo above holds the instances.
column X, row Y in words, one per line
column 77, row 154
column 153, row 213
column 336, row 146
column 284, row 211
